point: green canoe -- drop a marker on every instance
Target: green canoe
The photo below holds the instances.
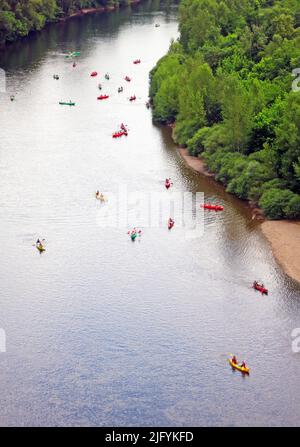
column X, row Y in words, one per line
column 67, row 103
column 73, row 54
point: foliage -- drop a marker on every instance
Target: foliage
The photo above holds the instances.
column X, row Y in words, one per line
column 227, row 85
column 18, row 18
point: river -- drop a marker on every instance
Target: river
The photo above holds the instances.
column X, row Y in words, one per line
column 100, row 330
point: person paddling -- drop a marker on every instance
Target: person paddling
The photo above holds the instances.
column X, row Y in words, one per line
column 234, row 360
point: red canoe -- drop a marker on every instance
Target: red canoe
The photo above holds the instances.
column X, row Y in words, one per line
column 94, row 73
column 260, row 288
column 209, row 206
column 119, row 134
column 137, row 61
column 132, row 98
column 170, row 225
column 103, row 97
column 127, row 78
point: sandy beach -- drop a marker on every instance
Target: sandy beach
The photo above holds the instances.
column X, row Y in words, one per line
column 194, row 162
column 284, row 237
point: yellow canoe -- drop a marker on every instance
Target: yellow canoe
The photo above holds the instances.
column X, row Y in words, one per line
column 40, row 248
column 239, row 368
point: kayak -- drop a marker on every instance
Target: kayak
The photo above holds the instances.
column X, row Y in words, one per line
column 261, row 289
column 208, row 206
column 132, row 98
column 127, row 78
column 40, row 248
column 167, row 185
column 170, row 225
column 103, row 97
column 137, row 61
column 67, row 103
column 94, row 73
column 239, row 368
column 133, row 236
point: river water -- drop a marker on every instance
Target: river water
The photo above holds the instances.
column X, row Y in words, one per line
column 100, row 330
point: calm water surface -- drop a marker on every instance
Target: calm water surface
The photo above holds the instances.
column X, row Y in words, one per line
column 101, row 331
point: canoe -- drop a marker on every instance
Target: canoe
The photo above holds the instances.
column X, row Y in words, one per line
column 170, row 226
column 73, row 54
column 67, row 103
column 127, row 78
column 167, row 185
column 239, row 368
column 133, row 236
column 94, row 73
column 208, row 206
column 137, row 61
column 261, row 289
column 103, row 97
column 132, row 98
column 119, row 134
column 40, row 248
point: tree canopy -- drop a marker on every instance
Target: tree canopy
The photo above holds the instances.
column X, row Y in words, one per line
column 227, row 83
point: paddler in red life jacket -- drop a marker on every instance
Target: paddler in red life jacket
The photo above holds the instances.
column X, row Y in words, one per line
column 243, row 365
column 234, row 360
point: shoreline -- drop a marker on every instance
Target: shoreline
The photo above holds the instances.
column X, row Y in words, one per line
column 80, row 13
column 282, row 235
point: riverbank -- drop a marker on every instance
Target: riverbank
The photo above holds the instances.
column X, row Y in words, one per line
column 195, row 163
column 85, row 11
column 284, row 237
column 54, row 16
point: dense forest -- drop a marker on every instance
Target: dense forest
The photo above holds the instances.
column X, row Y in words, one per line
column 19, row 17
column 227, row 83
